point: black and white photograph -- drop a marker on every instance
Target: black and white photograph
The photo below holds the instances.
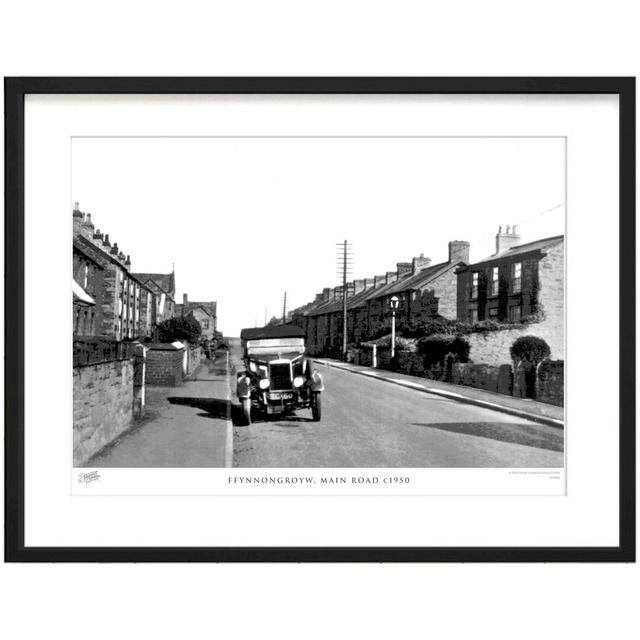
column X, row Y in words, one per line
column 318, row 302
column 362, row 310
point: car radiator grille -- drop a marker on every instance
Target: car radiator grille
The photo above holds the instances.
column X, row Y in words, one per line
column 280, row 375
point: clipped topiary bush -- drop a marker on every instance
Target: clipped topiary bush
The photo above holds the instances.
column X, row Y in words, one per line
column 530, row 349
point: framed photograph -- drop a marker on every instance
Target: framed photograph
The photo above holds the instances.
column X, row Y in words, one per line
column 320, row 319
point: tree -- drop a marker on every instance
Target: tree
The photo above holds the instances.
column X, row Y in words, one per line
column 183, row 328
column 530, row 349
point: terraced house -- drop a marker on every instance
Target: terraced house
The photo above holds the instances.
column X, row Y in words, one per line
column 109, row 301
column 425, row 292
column 203, row 312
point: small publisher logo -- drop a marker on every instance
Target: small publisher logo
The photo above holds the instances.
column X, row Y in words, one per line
column 88, row 477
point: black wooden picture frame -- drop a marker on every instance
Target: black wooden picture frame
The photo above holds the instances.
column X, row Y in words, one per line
column 15, row 91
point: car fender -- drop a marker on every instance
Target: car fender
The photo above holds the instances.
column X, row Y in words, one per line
column 243, row 386
column 317, row 383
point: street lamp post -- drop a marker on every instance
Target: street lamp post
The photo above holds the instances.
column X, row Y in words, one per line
column 393, row 303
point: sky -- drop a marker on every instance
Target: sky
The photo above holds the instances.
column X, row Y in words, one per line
column 246, row 219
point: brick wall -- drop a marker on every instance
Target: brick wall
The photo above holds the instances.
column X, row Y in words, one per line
column 102, row 406
column 165, row 367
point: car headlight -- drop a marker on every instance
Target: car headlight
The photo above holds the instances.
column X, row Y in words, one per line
column 298, row 381
column 252, row 366
column 264, row 383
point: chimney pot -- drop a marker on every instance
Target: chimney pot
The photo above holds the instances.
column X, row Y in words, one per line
column 506, row 240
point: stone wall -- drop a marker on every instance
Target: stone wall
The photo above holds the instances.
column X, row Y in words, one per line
column 493, row 347
column 479, row 376
column 195, row 358
column 550, row 387
column 102, row 406
column 549, row 384
column 165, row 366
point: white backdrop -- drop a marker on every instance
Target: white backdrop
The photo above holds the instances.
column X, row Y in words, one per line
column 372, row 38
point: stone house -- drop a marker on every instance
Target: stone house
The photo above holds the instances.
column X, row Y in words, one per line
column 163, row 287
column 518, row 284
column 203, row 312
column 88, row 284
column 124, row 306
column 424, row 291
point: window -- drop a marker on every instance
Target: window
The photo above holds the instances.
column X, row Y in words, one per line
column 474, row 285
column 495, row 283
column 493, row 312
column 515, row 314
column 205, row 324
column 516, row 278
column 474, row 315
column 86, row 277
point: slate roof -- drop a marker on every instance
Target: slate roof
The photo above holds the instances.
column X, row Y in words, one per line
column 208, row 307
column 521, row 249
column 407, row 282
column 164, row 280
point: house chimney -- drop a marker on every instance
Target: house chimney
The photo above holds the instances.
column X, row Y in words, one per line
column 403, row 268
column 459, row 251
column 506, row 240
column 391, row 276
column 114, row 249
column 127, row 262
column 419, row 263
column 378, row 280
column 77, row 219
column 97, row 238
column 86, row 228
column 106, row 242
column 369, row 282
column 185, row 299
column 337, row 293
column 358, row 286
column 326, row 294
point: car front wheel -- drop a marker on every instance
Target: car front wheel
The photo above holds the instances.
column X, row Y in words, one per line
column 246, row 410
column 316, row 407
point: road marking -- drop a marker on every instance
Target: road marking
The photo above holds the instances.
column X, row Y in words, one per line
column 228, row 448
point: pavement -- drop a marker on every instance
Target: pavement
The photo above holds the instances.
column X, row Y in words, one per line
column 186, row 426
column 520, row 407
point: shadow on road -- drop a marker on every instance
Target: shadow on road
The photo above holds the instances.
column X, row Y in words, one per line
column 214, row 407
column 517, row 433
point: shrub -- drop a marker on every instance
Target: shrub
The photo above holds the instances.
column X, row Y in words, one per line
column 530, row 348
column 185, row 328
column 436, row 348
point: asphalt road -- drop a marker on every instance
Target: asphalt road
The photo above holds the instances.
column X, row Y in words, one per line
column 373, row 423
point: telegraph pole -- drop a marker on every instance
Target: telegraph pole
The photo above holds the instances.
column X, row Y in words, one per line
column 284, row 308
column 345, row 260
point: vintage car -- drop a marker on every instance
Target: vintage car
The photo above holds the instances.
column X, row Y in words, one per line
column 278, row 376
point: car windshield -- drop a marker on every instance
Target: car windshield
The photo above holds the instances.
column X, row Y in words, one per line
column 274, row 346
